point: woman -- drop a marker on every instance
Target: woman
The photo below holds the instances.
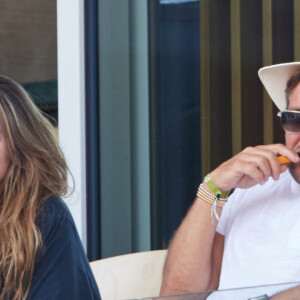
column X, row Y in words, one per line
column 41, row 256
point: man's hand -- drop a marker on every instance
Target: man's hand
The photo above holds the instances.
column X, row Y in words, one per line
column 254, row 165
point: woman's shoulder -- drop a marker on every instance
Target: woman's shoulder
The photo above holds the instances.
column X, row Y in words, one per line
column 52, row 214
column 53, row 207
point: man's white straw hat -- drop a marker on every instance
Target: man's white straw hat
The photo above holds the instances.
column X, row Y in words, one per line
column 275, row 78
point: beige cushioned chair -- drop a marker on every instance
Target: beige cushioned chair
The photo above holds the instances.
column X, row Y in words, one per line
column 130, row 276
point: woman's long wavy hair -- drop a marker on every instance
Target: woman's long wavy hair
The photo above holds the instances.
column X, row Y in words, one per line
column 37, row 170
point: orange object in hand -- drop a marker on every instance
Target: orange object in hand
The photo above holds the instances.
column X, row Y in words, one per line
column 284, row 160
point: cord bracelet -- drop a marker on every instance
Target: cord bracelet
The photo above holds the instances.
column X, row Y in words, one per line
column 210, row 198
column 216, row 198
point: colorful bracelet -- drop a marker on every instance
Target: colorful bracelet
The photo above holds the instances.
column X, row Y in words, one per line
column 215, row 189
column 214, row 200
column 210, row 198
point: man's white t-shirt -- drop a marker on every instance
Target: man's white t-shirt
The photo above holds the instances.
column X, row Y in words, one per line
column 261, row 226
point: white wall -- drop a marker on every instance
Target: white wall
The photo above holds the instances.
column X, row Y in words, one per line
column 71, row 103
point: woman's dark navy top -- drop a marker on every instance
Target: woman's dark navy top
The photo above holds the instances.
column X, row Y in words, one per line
column 62, row 270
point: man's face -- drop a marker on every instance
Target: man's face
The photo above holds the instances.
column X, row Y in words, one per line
column 292, row 140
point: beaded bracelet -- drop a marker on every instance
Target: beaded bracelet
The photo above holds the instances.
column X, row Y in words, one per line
column 210, row 198
column 214, row 200
column 212, row 195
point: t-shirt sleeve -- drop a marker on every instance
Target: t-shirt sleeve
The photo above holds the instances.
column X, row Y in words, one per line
column 62, row 270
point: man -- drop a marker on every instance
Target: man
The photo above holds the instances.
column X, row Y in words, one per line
column 257, row 240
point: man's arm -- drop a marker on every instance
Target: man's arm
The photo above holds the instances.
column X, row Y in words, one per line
column 195, row 253
column 291, row 294
column 194, row 264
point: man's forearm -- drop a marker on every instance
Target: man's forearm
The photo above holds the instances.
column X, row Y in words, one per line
column 290, row 294
column 191, row 272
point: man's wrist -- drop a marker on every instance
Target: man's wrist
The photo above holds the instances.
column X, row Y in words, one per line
column 215, row 189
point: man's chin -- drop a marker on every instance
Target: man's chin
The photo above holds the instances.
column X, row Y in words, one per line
column 295, row 171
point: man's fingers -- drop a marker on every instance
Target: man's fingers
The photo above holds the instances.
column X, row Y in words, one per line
column 267, row 159
column 273, row 163
column 252, row 165
column 256, row 163
column 280, row 149
column 254, row 172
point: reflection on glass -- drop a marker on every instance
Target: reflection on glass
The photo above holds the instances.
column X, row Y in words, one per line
column 247, row 293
